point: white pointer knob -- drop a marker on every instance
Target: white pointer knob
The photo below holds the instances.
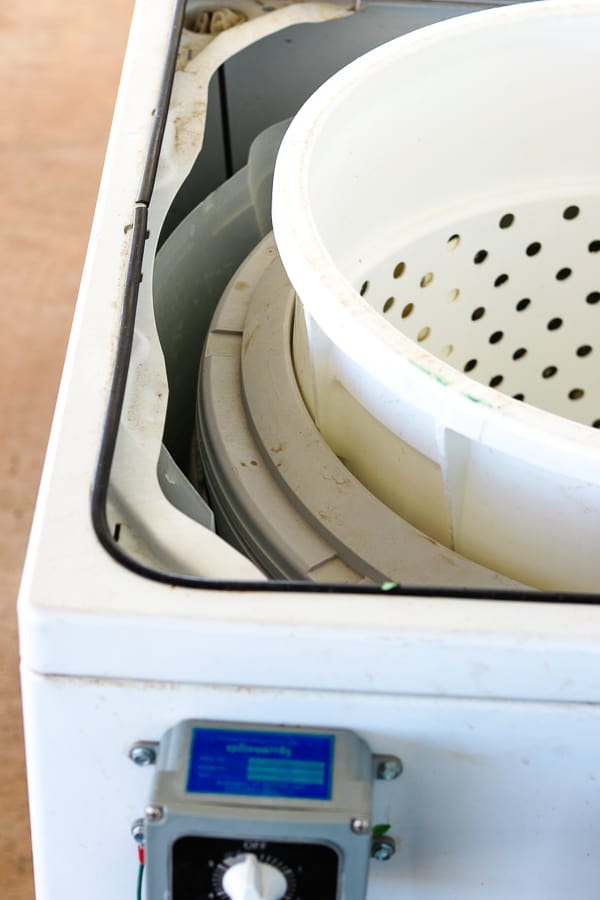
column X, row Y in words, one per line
column 251, row 879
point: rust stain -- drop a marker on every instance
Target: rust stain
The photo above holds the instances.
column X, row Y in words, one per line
column 181, row 124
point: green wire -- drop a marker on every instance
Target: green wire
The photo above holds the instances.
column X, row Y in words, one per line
column 138, row 893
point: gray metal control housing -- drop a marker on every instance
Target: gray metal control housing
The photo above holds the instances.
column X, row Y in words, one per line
column 342, row 822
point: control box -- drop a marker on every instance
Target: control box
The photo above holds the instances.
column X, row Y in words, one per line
column 254, row 811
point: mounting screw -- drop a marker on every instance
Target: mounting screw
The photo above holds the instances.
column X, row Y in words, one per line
column 359, row 826
column 387, row 768
column 143, row 753
column 154, row 813
column 383, row 848
column 137, row 831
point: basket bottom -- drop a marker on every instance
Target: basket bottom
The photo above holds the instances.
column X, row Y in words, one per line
column 509, row 296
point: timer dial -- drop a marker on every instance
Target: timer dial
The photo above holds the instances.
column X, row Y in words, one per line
column 250, row 877
column 200, row 865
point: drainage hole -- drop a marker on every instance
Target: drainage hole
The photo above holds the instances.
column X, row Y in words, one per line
column 448, row 350
column 563, row 274
column 470, row 365
column 584, row 350
column 506, row 221
column 388, row 304
column 364, row 288
column 453, row 241
column 480, row 257
column 453, row 295
column 496, row 337
column 520, row 353
column 407, row 310
column 424, row 334
column 426, row 279
column 518, row 396
column 533, row 249
column 576, row 394
column 592, row 298
column 501, row 279
column 478, row 313
column 553, row 324
column 594, row 246
column 549, row 372
column 399, row 269
column 496, row 380
column 522, row 304
column 571, row 212
column 596, row 423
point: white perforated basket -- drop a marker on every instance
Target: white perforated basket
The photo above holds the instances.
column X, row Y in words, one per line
column 437, row 209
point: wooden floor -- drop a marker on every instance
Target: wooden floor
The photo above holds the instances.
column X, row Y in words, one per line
column 59, row 68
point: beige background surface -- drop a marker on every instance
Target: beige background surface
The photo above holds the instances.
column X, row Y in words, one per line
column 59, row 69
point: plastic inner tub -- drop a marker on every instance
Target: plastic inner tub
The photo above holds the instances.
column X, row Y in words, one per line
column 437, row 209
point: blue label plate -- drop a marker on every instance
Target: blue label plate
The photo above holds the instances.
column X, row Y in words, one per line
column 261, row 763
